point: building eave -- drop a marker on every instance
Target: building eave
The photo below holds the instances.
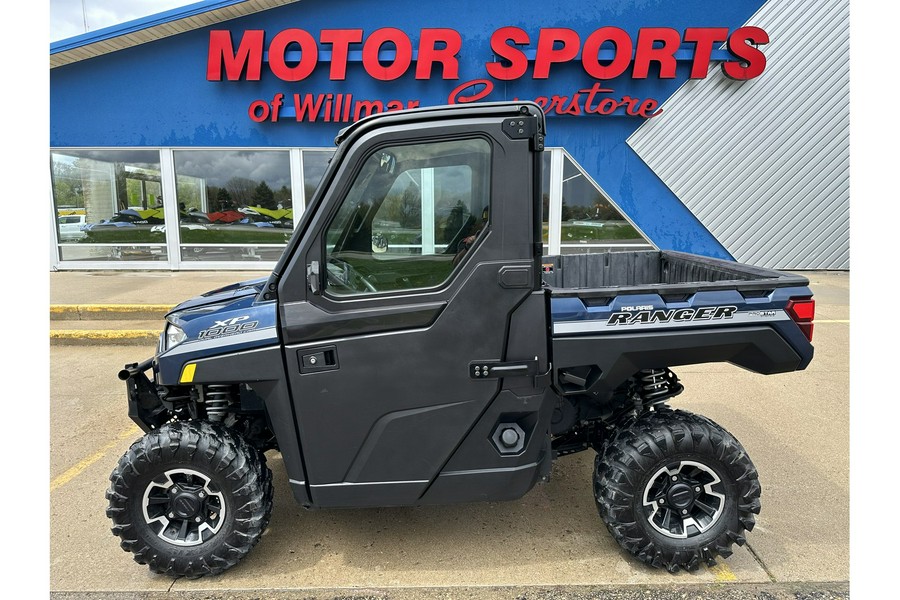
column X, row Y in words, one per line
column 154, row 27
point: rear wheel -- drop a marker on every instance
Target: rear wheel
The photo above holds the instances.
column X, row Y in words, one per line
column 190, row 499
column 675, row 489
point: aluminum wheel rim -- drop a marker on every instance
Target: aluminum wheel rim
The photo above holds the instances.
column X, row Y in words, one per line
column 684, row 499
column 167, row 506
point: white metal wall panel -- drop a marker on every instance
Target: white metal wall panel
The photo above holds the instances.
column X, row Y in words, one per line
column 764, row 164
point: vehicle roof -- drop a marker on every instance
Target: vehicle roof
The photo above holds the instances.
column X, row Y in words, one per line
column 448, row 111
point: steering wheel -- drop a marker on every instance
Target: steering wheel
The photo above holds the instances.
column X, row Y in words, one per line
column 343, row 274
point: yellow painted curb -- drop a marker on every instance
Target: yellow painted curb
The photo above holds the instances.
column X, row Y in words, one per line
column 108, row 307
column 103, row 333
column 103, row 336
column 90, row 312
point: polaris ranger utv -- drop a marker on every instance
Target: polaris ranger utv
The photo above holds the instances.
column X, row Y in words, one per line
column 451, row 365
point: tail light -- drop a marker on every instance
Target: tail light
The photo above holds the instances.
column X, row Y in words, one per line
column 803, row 312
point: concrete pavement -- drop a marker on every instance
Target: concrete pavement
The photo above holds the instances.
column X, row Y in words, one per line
column 548, row 544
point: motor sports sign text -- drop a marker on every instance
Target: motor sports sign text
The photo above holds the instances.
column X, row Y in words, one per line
column 388, row 54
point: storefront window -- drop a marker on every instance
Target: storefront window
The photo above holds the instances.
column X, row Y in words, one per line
column 590, row 221
column 238, row 206
column 108, row 205
column 234, row 205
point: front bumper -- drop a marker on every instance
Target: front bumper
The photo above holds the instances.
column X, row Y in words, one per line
column 145, row 407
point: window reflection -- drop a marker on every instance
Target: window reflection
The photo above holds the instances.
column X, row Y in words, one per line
column 109, row 203
column 590, row 221
column 234, row 204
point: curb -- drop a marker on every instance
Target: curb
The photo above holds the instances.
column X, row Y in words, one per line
column 110, row 337
column 108, row 312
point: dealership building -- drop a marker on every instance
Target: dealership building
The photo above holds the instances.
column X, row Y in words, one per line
column 194, row 138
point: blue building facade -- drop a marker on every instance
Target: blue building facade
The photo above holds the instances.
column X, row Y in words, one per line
column 225, row 128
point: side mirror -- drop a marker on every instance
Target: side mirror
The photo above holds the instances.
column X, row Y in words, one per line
column 312, row 278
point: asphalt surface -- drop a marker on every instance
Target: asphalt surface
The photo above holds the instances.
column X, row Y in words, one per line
column 549, row 544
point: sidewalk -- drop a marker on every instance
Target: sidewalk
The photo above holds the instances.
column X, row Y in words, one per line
column 124, row 307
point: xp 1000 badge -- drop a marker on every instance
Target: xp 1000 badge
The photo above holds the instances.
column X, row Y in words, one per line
column 227, row 327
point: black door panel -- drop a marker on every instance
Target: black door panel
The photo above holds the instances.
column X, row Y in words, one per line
column 410, row 300
column 402, row 402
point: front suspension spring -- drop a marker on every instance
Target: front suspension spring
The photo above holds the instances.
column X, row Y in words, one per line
column 218, row 397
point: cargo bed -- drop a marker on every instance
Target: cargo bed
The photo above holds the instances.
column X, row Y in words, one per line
column 656, row 272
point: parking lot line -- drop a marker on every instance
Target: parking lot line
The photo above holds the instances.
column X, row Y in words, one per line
column 83, row 464
column 722, row 573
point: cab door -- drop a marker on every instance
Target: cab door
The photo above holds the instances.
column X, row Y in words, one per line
column 420, row 249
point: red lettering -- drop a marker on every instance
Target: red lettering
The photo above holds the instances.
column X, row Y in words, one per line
column 308, row 108
column 429, row 53
column 648, row 52
column 370, row 107
column 518, row 62
column 309, row 55
column 221, row 51
column 340, row 40
column 752, row 61
column 456, row 96
column 630, row 105
column 559, row 103
column 592, row 94
column 648, row 108
column 277, row 101
column 402, row 58
column 258, row 111
column 703, row 38
column 548, row 53
column 590, row 55
column 607, row 106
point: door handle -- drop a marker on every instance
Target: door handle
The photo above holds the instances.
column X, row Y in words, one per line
column 487, row 369
column 313, row 360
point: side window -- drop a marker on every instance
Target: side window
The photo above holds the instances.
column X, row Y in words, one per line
column 409, row 218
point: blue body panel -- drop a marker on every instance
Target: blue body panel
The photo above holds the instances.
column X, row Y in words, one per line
column 224, row 321
column 566, row 310
column 639, row 313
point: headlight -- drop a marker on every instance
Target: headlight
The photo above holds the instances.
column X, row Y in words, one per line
column 173, row 336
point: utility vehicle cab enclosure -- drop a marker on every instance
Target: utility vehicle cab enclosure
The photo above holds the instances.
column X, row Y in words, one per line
column 406, row 350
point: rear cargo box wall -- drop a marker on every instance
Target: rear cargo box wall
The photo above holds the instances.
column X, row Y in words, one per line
column 679, row 270
column 621, row 269
column 601, row 270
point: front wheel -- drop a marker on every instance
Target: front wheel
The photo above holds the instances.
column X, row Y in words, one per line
column 189, row 499
column 675, row 489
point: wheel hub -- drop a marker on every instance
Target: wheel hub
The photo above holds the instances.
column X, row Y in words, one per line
column 683, row 499
column 680, row 496
column 185, row 505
